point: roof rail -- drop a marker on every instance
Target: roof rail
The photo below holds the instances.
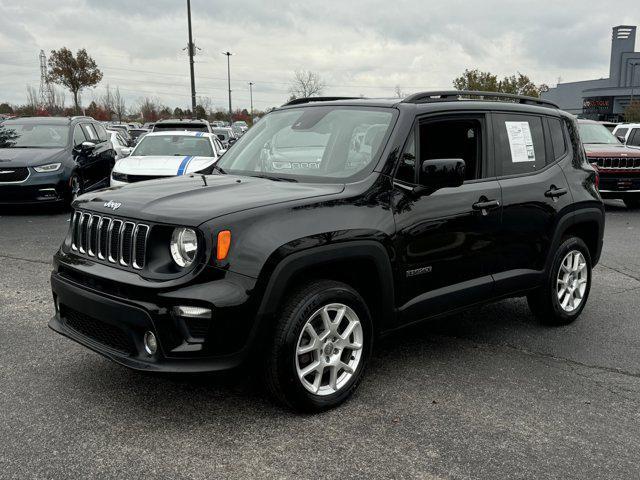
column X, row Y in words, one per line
column 298, row 101
column 454, row 95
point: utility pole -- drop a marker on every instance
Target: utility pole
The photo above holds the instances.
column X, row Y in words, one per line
column 191, row 48
column 633, row 79
column 228, row 54
column 251, row 97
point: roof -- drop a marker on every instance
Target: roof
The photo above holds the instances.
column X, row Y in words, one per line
column 178, row 133
column 182, row 120
column 46, row 120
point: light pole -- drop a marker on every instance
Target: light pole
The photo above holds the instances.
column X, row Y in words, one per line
column 228, row 54
column 191, row 48
column 633, row 79
column 251, row 97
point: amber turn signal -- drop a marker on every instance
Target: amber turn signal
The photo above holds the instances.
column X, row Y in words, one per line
column 224, row 242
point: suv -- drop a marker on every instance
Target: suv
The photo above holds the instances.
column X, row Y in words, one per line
column 297, row 265
column 184, row 124
column 617, row 164
column 53, row 159
column 628, row 133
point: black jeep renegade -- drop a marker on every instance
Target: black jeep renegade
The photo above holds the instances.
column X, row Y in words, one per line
column 332, row 222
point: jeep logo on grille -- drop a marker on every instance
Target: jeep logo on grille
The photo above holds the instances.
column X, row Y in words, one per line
column 112, row 205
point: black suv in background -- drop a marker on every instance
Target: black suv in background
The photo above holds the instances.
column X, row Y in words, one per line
column 52, row 159
column 184, row 124
column 330, row 223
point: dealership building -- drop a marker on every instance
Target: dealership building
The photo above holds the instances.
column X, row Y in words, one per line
column 605, row 99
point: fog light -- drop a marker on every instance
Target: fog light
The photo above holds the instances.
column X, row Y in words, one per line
column 192, row 312
column 150, row 343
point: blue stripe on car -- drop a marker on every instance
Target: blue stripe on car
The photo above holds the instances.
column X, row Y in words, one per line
column 199, row 134
column 183, row 164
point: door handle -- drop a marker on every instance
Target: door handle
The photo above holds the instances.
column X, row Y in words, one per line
column 555, row 192
column 486, row 205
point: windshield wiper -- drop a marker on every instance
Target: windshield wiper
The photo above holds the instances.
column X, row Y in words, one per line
column 277, row 179
column 219, row 169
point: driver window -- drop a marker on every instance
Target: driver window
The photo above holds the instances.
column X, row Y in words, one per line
column 78, row 136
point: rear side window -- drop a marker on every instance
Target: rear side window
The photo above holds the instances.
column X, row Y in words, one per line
column 634, row 138
column 519, row 143
column 89, row 132
column 557, row 138
column 102, row 133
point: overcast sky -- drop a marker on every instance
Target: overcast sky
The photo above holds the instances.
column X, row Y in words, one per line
column 358, row 47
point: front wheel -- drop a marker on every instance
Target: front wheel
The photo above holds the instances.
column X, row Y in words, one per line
column 320, row 348
column 564, row 294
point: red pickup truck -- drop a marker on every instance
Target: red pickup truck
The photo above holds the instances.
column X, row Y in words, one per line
column 617, row 164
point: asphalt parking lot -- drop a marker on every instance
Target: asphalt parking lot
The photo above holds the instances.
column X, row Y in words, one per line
column 486, row 394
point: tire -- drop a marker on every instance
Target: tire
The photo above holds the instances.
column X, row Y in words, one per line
column 548, row 303
column 632, row 203
column 299, row 317
column 74, row 189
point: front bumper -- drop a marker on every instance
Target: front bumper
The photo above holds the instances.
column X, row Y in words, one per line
column 114, row 326
column 37, row 188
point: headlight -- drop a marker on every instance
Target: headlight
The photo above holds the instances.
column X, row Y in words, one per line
column 184, row 246
column 50, row 167
column 120, row 177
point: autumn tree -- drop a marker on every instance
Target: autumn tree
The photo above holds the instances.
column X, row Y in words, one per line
column 5, row 108
column 74, row 73
column 632, row 112
column 518, row 84
column 306, row 84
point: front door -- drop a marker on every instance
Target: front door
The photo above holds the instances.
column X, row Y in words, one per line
column 446, row 241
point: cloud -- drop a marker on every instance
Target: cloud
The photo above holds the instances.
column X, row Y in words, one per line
column 359, row 47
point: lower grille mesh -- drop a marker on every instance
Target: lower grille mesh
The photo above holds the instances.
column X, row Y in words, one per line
column 101, row 332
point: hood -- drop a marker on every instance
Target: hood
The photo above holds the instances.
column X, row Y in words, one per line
column 162, row 165
column 598, row 150
column 187, row 200
column 29, row 157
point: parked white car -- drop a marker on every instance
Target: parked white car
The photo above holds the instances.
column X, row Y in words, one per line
column 119, row 144
column 168, row 154
column 628, row 133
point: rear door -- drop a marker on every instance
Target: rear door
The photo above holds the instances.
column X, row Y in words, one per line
column 535, row 194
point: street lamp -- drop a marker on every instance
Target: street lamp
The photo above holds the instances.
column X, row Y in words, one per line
column 228, row 54
column 251, row 96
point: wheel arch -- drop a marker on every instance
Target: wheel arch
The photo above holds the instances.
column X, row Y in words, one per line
column 364, row 265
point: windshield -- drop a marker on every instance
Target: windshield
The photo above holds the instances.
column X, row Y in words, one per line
column 28, row 135
column 173, row 145
column 596, row 133
column 310, row 143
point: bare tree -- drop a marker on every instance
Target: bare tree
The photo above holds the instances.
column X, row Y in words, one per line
column 398, row 92
column 306, row 84
column 107, row 101
column 32, row 99
column 149, row 109
column 119, row 106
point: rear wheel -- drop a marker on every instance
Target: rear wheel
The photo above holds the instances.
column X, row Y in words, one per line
column 320, row 348
column 632, row 203
column 564, row 294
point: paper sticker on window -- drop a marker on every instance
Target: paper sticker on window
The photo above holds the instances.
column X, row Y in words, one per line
column 520, row 142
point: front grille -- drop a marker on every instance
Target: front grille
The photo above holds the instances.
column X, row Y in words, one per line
column 109, row 239
column 144, row 178
column 13, row 174
column 621, row 163
column 104, row 333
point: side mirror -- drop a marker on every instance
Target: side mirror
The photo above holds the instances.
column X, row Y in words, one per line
column 222, row 151
column 440, row 173
column 621, row 139
column 232, row 141
column 87, row 146
column 126, row 151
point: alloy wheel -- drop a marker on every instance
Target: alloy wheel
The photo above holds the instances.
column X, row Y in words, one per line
column 329, row 349
column 572, row 281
